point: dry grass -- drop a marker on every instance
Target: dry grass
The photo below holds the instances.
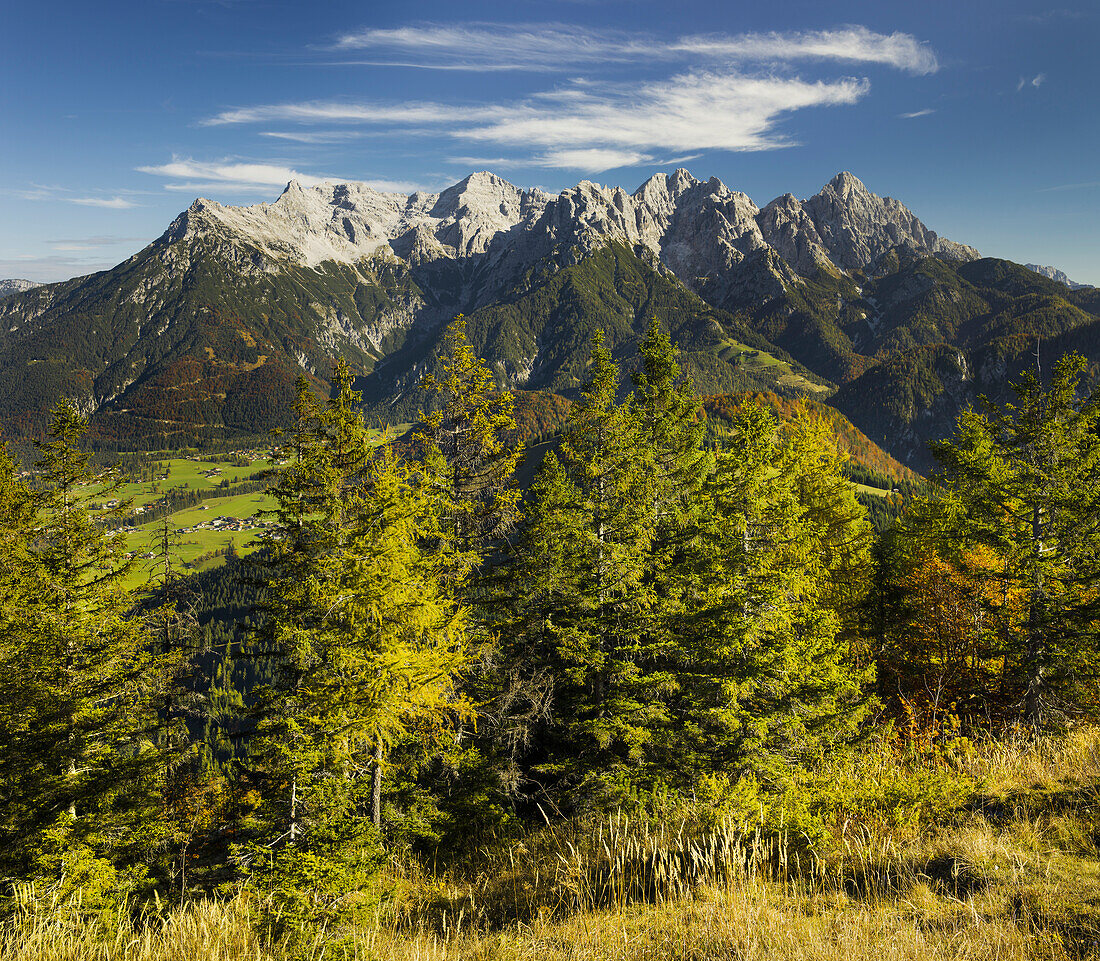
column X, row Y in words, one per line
column 1013, row 875
column 205, row 931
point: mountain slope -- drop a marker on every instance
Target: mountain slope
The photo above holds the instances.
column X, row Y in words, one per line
column 202, row 334
column 944, row 335
column 539, row 337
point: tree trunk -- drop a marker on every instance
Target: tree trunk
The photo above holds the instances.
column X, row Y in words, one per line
column 376, row 786
column 1034, row 697
column 292, row 830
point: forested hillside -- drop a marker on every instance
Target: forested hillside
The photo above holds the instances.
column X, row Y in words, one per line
column 687, row 620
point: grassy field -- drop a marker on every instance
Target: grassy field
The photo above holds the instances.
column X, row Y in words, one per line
column 759, row 360
column 185, row 474
column 866, row 489
column 193, row 546
column 190, row 546
column 1005, row 866
column 198, row 547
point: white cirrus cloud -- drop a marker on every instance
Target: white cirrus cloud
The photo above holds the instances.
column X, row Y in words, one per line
column 319, row 137
column 328, row 111
column 228, row 173
column 78, row 244
column 927, row 111
column 497, row 46
column 110, row 203
column 594, row 159
column 38, row 191
column 49, row 268
column 584, row 124
column 727, row 92
column 683, row 114
column 555, row 47
column 1036, row 81
column 851, row 44
column 248, row 177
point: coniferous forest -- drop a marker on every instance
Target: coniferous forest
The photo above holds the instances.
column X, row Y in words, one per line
column 649, row 688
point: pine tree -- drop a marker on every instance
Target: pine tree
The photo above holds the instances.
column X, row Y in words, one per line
column 582, row 601
column 763, row 677
column 1025, row 485
column 362, row 621
column 80, row 758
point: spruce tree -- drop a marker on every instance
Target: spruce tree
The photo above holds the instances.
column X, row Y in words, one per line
column 472, row 448
column 672, row 427
column 582, row 600
column 79, row 749
column 763, row 677
column 361, row 619
column 1024, row 484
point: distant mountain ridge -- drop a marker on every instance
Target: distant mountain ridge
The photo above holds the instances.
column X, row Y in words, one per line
column 16, row 286
column 1055, row 274
column 844, row 295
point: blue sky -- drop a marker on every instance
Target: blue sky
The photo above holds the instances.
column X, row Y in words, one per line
column 114, row 115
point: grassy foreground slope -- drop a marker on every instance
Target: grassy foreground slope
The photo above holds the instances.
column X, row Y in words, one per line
column 960, row 852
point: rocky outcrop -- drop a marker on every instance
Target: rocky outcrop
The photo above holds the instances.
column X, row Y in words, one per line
column 1052, row 273
column 15, row 286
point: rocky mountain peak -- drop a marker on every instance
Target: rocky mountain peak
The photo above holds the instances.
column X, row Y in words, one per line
column 845, row 185
column 15, row 285
column 857, row 226
column 1053, row 273
column 681, row 181
column 786, row 226
column 478, row 193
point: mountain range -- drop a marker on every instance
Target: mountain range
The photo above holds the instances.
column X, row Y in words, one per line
column 845, row 297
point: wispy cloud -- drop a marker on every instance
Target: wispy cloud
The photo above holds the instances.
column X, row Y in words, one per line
column 722, row 91
column 850, row 44
column 1036, row 81
column 214, row 176
column 917, row 113
column 187, row 175
column 685, row 113
column 110, row 203
column 1050, row 16
column 228, row 173
column 49, row 268
column 557, row 47
column 34, row 191
column 595, row 159
column 78, row 244
column 322, row 111
column 1078, row 186
column 320, row 137
column 587, row 125
column 485, row 162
